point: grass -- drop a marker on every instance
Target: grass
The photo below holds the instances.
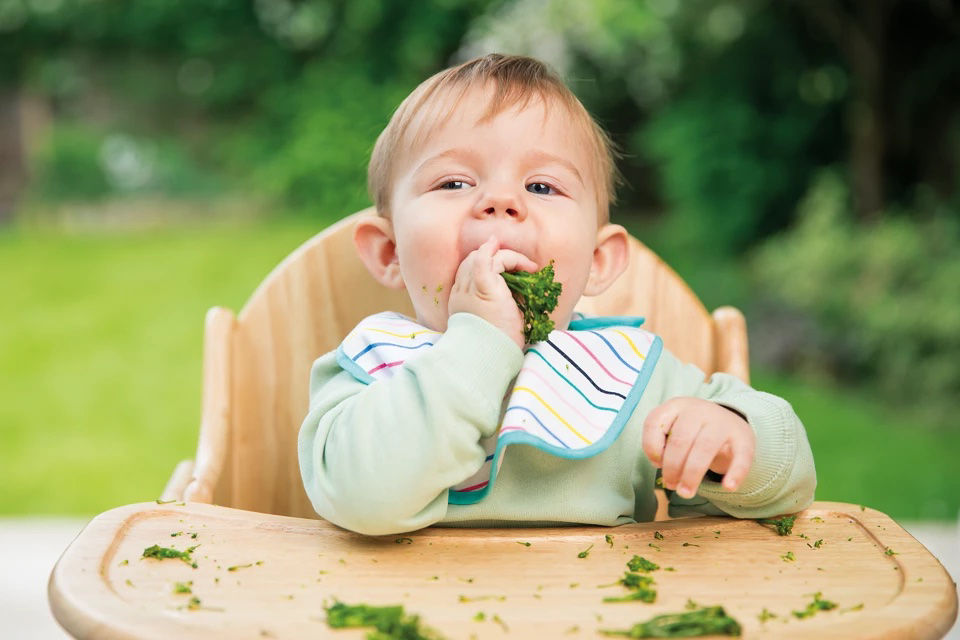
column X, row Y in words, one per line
column 100, row 375
column 100, row 355
column 871, row 454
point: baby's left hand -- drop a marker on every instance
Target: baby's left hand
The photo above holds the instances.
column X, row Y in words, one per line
column 685, row 436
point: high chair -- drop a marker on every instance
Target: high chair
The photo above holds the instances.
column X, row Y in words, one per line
column 257, row 572
column 257, row 364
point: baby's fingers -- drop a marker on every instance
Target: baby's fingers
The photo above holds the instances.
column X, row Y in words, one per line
column 708, row 443
column 740, row 465
column 657, row 425
column 509, row 260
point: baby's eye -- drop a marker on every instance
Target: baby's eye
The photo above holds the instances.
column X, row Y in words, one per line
column 452, row 185
column 541, row 188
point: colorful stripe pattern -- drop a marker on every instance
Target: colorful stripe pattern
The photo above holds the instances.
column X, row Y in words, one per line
column 572, row 396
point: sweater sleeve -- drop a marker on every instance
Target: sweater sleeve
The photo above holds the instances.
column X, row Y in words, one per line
column 379, row 458
column 782, row 478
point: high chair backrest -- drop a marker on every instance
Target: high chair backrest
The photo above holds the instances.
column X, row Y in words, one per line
column 257, row 364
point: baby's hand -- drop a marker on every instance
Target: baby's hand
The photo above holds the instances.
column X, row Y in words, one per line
column 686, row 436
column 481, row 290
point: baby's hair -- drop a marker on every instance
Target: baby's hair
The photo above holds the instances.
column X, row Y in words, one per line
column 516, row 79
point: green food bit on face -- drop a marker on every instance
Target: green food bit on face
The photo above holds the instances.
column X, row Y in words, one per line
column 690, row 604
column 650, row 544
column 609, row 539
column 124, row 563
column 788, row 556
column 766, row 615
column 585, row 552
column 783, row 525
column 658, row 535
column 178, row 533
column 402, row 540
column 500, row 622
column 818, row 543
column 816, row 605
column 480, row 617
column 636, row 563
column 690, row 544
column 890, row 552
column 158, row 552
column 856, row 607
column 183, row 587
column 240, row 566
column 701, row 622
column 129, row 584
column 536, row 295
column 194, row 603
column 526, row 544
column 390, row 622
column 439, row 288
column 659, row 482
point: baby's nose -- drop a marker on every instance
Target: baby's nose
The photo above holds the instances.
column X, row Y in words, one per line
column 510, row 211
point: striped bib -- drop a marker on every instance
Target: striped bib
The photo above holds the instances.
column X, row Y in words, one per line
column 573, row 395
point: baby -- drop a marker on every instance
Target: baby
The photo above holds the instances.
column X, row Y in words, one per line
column 493, row 166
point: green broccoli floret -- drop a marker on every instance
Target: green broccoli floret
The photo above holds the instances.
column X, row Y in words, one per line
column 390, row 622
column 536, row 295
column 701, row 622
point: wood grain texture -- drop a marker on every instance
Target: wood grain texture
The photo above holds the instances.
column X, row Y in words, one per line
column 256, row 366
column 289, row 567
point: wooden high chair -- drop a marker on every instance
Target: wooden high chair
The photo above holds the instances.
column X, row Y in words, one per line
column 257, row 572
column 257, row 364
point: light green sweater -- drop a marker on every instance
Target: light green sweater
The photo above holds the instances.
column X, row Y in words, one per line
column 379, row 458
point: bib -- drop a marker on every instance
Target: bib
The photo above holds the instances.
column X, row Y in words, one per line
column 573, row 395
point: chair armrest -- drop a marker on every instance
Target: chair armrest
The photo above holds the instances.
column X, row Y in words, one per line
column 730, row 338
column 215, row 417
column 177, row 484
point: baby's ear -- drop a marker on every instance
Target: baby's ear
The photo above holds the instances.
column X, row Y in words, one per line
column 609, row 259
column 373, row 236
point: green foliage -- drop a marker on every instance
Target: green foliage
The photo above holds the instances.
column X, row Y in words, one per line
column 329, row 126
column 884, row 295
column 536, row 294
column 736, row 146
column 68, row 166
column 81, row 163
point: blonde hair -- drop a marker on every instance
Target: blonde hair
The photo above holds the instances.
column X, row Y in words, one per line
column 516, row 79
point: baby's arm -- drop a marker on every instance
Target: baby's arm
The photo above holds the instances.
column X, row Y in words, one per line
column 723, row 424
column 379, row 458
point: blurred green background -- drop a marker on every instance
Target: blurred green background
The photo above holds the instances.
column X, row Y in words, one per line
column 796, row 159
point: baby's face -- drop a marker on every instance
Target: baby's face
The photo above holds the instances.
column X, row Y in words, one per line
column 523, row 176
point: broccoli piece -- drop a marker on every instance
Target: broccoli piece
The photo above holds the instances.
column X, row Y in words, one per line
column 637, row 563
column 783, row 525
column 536, row 295
column 158, row 552
column 390, row 622
column 702, row 622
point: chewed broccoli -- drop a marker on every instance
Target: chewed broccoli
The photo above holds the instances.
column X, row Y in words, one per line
column 707, row 621
column 537, row 295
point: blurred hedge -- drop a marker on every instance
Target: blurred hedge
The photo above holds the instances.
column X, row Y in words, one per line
column 883, row 297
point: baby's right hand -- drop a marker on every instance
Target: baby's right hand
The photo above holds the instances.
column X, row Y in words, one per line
column 480, row 289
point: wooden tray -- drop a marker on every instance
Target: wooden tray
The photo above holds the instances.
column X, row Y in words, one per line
column 286, row 569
